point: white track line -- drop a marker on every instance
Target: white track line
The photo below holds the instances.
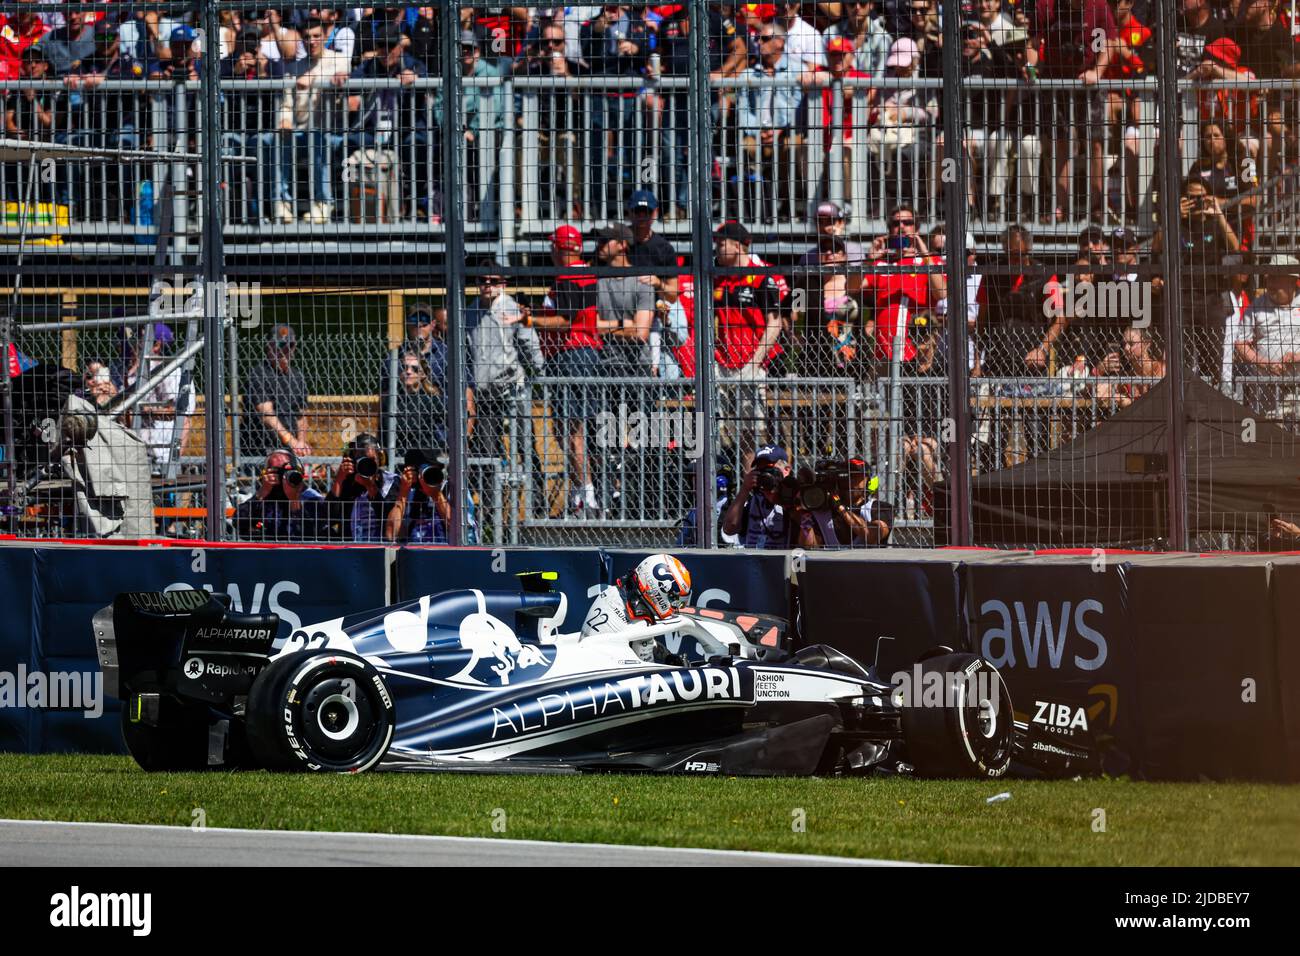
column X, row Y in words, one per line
column 495, row 841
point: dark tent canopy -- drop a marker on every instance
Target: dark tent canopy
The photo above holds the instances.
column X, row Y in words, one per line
column 1107, row 487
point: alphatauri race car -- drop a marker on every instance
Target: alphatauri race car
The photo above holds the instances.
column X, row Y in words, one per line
column 484, row 680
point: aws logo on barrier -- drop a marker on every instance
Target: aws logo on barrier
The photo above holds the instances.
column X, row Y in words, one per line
column 1056, row 636
column 271, row 592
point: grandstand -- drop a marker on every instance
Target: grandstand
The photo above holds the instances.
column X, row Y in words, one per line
column 301, row 206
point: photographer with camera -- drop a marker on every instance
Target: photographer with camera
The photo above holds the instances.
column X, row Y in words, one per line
column 355, row 502
column 419, row 503
column 756, row 515
column 284, row 507
column 823, row 519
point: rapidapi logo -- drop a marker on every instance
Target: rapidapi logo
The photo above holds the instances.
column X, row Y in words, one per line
column 1049, row 642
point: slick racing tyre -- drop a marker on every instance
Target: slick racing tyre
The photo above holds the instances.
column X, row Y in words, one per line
column 178, row 740
column 322, row 711
column 966, row 731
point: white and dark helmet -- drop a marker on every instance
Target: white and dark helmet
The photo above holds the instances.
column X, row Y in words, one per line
column 658, row 588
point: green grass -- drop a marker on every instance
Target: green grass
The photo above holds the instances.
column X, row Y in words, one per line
column 1049, row 823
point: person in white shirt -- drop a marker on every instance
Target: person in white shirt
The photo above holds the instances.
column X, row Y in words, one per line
column 1271, row 335
column 804, row 46
column 307, row 108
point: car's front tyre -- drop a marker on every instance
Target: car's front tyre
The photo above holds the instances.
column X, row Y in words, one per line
column 321, row 711
column 968, row 730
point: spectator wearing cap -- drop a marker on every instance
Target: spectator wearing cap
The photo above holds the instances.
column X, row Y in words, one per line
column 569, row 317
column 625, row 306
column 747, row 309
column 1236, row 112
column 898, row 295
column 559, row 166
column 308, row 109
column 275, row 400
column 483, row 109
column 184, row 63
column 839, row 57
column 901, row 123
column 1270, row 341
column 866, row 31
column 503, row 347
column 768, row 115
column 754, row 516
column 649, row 248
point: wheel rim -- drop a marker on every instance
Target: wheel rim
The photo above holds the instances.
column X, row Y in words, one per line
column 338, row 721
column 337, row 717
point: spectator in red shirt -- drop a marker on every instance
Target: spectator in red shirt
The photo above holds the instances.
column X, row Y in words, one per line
column 1062, row 48
column 899, row 295
column 16, row 35
column 747, row 310
column 569, row 315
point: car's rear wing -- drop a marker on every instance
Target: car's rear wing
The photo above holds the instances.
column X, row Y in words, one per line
column 187, row 642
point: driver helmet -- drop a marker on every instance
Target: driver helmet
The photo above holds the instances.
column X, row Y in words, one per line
column 657, row 588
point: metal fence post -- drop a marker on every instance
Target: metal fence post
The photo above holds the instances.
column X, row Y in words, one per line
column 453, row 138
column 214, row 271
column 700, row 126
column 1171, row 224
column 954, row 178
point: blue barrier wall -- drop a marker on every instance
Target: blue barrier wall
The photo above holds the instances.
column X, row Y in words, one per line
column 55, row 591
column 1189, row 666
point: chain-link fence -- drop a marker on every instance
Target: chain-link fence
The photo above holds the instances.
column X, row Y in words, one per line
column 654, row 274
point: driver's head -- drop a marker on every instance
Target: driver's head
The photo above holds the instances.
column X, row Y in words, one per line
column 659, row 587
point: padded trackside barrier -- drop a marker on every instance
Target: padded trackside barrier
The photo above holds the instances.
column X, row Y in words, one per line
column 66, row 585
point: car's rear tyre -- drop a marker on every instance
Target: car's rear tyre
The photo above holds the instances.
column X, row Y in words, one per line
column 321, row 711
column 178, row 741
column 969, row 732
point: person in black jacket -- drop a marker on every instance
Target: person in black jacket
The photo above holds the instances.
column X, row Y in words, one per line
column 615, row 44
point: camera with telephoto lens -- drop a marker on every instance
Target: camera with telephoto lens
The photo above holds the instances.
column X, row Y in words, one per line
column 769, row 478
column 816, row 490
column 288, row 475
column 433, row 475
column 364, row 465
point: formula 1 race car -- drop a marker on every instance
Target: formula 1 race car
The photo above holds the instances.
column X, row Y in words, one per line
column 485, row 680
